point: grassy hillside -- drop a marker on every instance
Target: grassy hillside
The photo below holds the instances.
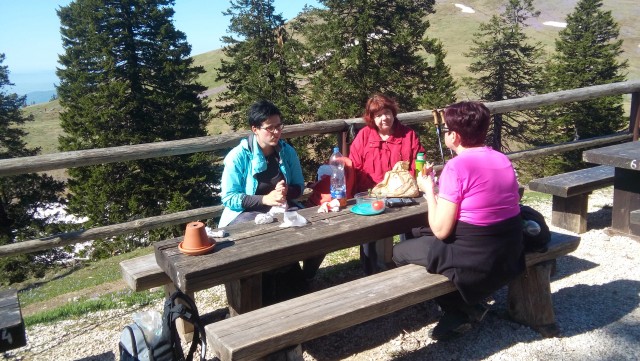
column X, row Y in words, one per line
column 449, row 24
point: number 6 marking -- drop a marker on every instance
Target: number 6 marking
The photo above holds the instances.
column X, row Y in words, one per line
column 634, row 164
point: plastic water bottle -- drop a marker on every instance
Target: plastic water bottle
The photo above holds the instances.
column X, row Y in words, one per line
column 419, row 163
column 531, row 228
column 338, row 184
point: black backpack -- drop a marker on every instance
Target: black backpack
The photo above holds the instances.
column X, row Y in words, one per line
column 539, row 242
column 167, row 346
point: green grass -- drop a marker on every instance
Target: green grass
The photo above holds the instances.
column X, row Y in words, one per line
column 211, row 62
column 84, row 305
column 531, row 197
column 71, row 280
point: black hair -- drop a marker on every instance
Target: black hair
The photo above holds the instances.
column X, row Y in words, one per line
column 470, row 120
column 260, row 111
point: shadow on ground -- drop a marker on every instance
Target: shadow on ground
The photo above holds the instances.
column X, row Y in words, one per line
column 578, row 310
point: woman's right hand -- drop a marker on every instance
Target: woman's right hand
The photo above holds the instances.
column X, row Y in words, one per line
column 425, row 180
column 277, row 197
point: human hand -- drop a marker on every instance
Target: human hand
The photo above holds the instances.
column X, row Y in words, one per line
column 282, row 187
column 278, row 196
column 425, row 180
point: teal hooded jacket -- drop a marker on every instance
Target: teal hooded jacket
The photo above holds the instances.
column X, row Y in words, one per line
column 241, row 165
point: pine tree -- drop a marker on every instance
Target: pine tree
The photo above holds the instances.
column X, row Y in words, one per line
column 21, row 196
column 263, row 65
column 507, row 67
column 126, row 78
column 587, row 54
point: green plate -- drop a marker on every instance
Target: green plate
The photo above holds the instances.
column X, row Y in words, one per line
column 365, row 210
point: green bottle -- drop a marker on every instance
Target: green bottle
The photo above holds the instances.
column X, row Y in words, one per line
column 419, row 163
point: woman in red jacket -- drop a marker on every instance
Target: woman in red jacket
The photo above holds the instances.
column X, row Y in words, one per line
column 375, row 150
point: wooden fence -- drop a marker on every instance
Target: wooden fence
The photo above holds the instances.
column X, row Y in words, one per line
column 81, row 158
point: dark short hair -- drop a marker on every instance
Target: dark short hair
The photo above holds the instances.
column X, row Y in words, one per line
column 376, row 103
column 261, row 110
column 470, row 120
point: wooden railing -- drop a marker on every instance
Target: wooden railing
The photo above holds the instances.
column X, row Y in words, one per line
column 81, row 158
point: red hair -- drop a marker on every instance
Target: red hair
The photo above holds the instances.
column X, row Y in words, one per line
column 377, row 103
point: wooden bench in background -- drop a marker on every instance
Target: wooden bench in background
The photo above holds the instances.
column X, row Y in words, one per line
column 634, row 217
column 571, row 194
column 283, row 326
column 12, row 331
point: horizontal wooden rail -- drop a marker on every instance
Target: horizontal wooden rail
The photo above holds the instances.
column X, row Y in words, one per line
column 210, row 143
column 143, row 224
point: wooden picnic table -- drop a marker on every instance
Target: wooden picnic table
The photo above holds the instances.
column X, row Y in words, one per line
column 239, row 259
column 625, row 158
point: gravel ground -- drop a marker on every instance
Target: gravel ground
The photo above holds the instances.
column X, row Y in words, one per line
column 596, row 294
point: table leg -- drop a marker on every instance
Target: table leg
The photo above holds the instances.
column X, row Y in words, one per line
column 244, row 295
column 626, row 198
column 384, row 248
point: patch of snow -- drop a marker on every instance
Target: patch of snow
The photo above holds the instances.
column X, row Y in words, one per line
column 57, row 213
column 556, row 24
column 465, row 9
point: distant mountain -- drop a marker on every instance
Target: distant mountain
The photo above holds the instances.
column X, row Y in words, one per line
column 40, row 96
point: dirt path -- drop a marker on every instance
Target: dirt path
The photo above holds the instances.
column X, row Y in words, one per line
column 58, row 301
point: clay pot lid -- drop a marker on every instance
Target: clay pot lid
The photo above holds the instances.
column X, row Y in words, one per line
column 196, row 251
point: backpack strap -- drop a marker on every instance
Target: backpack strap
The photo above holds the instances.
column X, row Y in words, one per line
column 190, row 314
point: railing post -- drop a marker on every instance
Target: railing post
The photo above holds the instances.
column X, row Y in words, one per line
column 343, row 141
column 634, row 115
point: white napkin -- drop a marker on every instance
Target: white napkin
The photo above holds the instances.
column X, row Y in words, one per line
column 293, row 219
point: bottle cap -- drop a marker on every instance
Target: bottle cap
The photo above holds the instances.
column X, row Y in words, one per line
column 420, row 156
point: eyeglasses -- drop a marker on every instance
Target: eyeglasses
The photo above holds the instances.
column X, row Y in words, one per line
column 273, row 128
column 445, row 129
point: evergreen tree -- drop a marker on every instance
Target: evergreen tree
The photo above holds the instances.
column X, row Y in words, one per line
column 263, row 65
column 361, row 47
column 21, row 196
column 507, row 67
column 126, row 78
column 587, row 53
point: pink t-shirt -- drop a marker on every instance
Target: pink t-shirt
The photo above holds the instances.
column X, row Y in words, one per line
column 483, row 184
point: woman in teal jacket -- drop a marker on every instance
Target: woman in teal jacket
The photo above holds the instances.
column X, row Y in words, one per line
column 261, row 172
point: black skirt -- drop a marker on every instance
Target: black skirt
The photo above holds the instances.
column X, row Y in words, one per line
column 479, row 259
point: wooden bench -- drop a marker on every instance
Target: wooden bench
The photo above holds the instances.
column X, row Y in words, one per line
column 571, row 194
column 143, row 273
column 12, row 331
column 634, row 217
column 283, row 326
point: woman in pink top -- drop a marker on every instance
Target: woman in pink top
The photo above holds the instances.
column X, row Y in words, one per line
column 475, row 230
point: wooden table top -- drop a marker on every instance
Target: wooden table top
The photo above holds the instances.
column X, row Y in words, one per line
column 625, row 155
column 251, row 249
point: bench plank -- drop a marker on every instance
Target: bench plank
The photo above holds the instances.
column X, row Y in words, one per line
column 634, row 217
column 571, row 194
column 12, row 331
column 573, row 183
column 261, row 332
column 143, row 273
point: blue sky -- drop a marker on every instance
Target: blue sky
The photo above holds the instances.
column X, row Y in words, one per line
column 30, row 34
